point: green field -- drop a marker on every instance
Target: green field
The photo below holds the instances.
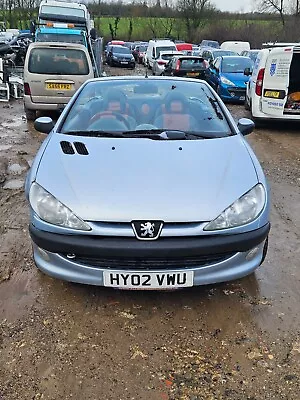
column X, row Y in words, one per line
column 145, row 28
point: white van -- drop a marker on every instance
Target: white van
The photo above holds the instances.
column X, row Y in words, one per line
column 236, row 46
column 273, row 91
column 155, row 47
column 52, row 74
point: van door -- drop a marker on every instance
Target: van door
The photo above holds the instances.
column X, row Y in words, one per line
column 276, row 80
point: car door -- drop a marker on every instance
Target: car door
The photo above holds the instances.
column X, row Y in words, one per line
column 214, row 71
column 276, row 80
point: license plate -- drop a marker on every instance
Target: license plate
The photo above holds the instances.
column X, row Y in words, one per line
column 148, row 280
column 59, row 86
column 272, row 93
column 242, row 98
column 192, row 74
column 124, row 62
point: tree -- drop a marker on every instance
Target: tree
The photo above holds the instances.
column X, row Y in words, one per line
column 193, row 12
column 277, row 6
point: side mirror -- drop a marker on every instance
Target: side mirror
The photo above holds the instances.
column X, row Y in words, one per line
column 246, row 126
column 247, row 72
column 43, row 124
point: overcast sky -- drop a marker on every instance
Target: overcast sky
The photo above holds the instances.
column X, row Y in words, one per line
column 234, row 5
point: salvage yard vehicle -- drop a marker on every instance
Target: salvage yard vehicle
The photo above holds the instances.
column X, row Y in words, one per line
column 134, row 199
column 120, row 56
column 189, row 66
column 273, row 91
column 155, row 46
column 211, row 54
column 227, row 76
column 161, row 61
column 237, row 46
column 52, row 74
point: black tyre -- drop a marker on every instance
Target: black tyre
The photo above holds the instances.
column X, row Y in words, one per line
column 246, row 105
column 30, row 114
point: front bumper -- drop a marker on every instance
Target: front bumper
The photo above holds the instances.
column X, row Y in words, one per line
column 125, row 64
column 83, row 259
column 233, row 93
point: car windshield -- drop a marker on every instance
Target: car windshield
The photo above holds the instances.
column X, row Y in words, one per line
column 167, row 56
column 142, row 49
column 190, row 63
column 210, row 43
column 132, row 107
column 236, row 64
column 121, row 50
column 221, row 53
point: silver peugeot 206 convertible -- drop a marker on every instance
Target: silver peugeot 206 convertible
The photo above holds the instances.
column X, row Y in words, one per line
column 147, row 183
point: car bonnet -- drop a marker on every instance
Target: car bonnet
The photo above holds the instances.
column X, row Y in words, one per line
column 131, row 179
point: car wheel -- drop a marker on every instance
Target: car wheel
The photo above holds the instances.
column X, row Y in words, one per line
column 247, row 105
column 30, row 114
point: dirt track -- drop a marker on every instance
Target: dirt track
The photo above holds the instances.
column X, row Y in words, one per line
column 238, row 341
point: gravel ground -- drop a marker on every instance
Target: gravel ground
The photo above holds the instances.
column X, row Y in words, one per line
column 237, row 341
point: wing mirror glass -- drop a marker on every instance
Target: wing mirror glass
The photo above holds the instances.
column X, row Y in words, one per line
column 43, row 124
column 246, row 126
column 247, row 72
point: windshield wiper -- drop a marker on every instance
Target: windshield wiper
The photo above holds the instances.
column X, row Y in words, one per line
column 214, row 103
column 154, row 134
column 168, row 134
column 95, row 134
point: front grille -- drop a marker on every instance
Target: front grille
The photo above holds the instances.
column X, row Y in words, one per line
column 237, row 91
column 154, row 263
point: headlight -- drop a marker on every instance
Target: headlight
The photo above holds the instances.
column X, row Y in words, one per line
column 115, row 57
column 244, row 210
column 49, row 209
column 226, row 81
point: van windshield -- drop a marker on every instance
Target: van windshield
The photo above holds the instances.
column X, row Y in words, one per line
column 61, row 10
column 60, row 37
column 55, row 61
column 165, row 48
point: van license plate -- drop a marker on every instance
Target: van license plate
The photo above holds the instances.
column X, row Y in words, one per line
column 59, row 86
column 148, row 280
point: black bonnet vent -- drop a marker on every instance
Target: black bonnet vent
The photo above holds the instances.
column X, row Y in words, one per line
column 66, row 147
column 81, row 149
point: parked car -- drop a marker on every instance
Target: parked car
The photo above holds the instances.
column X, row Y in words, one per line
column 120, row 56
column 139, row 52
column 91, row 220
column 188, row 66
column 237, row 46
column 227, row 76
column 251, row 54
column 196, row 50
column 155, row 47
column 52, row 74
column 273, row 89
column 163, row 58
column 210, row 54
column 209, row 43
column 185, row 48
